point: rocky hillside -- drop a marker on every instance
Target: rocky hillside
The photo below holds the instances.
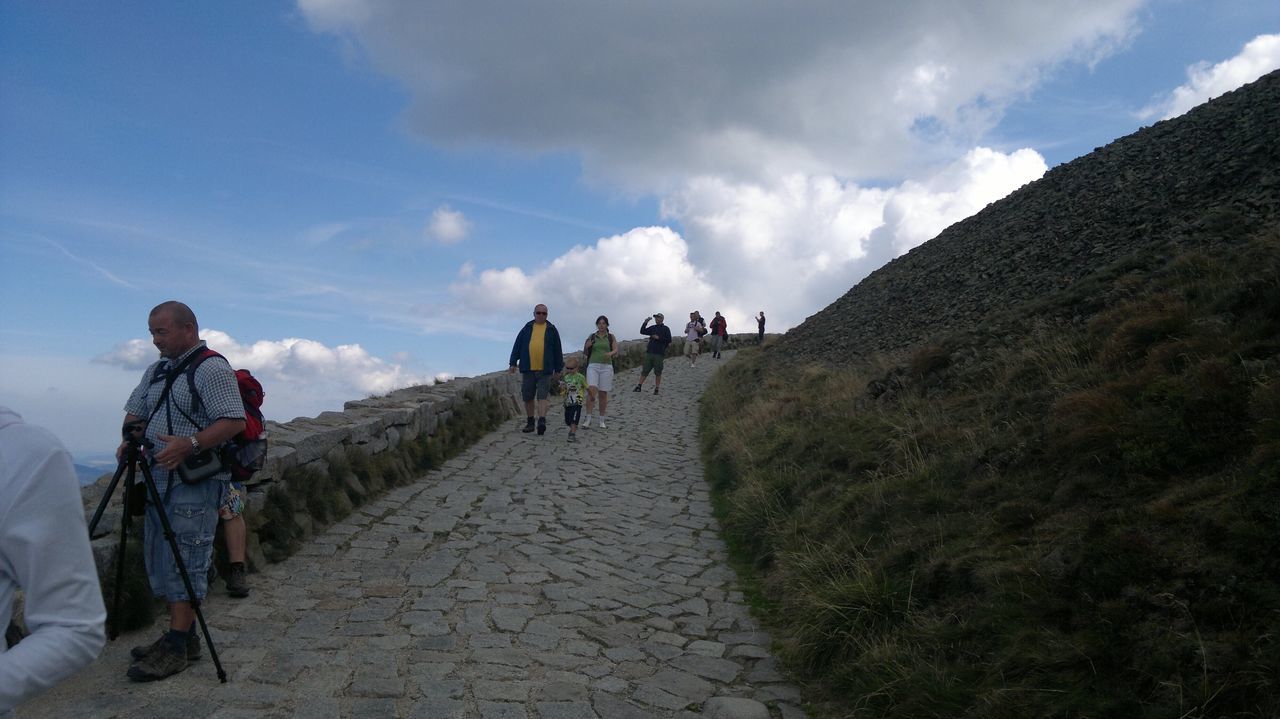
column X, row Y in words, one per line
column 1214, row 172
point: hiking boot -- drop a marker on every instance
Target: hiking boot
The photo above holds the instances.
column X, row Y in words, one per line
column 237, row 581
column 542, row 426
column 158, row 664
column 637, row 389
column 573, row 437
column 585, row 423
column 528, row 427
column 655, row 390
column 193, row 648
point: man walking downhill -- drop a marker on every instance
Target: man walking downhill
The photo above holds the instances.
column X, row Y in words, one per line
column 655, row 352
column 180, row 425
column 537, row 354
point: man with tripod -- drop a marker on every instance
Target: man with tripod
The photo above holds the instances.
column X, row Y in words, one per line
column 178, row 426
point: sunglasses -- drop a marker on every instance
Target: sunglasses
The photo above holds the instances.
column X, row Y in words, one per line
column 539, row 313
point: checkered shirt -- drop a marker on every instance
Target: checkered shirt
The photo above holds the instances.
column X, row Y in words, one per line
column 219, row 398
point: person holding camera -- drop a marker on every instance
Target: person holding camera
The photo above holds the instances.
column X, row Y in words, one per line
column 180, row 431
column 655, row 352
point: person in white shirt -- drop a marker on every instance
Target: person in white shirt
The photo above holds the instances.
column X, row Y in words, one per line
column 693, row 333
column 44, row 550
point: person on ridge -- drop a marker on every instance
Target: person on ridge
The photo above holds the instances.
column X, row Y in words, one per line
column 655, row 352
column 760, row 328
column 538, row 356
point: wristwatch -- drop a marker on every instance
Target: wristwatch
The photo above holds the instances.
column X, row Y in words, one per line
column 195, row 445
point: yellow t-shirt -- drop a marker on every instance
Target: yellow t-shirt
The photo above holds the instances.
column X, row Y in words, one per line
column 537, row 346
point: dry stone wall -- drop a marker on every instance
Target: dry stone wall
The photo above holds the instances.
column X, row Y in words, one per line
column 308, row 480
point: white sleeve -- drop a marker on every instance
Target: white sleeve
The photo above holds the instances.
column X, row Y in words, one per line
column 44, row 549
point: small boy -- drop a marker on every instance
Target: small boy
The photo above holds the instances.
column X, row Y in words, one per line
column 575, row 391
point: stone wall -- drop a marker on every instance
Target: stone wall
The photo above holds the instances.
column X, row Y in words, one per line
column 319, row 469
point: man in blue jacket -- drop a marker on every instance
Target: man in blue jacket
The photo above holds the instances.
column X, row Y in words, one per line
column 538, row 356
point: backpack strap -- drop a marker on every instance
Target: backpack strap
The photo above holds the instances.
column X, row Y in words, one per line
column 169, row 379
column 201, row 356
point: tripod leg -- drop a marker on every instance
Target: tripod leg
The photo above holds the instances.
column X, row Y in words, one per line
column 169, row 535
column 106, row 497
column 125, row 518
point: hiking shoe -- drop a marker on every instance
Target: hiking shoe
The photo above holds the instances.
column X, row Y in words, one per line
column 193, row 648
column 542, row 426
column 573, row 437
column 655, row 390
column 158, row 664
column 602, row 424
column 528, row 427
column 637, row 389
column 237, row 581
column 585, row 423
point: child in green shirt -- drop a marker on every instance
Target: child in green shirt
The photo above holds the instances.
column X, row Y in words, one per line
column 575, row 389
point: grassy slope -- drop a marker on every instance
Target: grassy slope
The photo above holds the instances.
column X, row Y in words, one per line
column 1083, row 524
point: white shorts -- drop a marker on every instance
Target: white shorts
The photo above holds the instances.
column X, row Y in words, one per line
column 600, row 376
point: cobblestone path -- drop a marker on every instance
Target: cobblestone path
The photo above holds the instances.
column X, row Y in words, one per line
column 528, row 578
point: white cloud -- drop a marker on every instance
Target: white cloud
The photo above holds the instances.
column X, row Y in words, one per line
column 626, row 277
column 652, row 93
column 1205, row 82
column 794, row 247
column 132, row 354
column 447, row 226
column 301, row 377
column 788, row 248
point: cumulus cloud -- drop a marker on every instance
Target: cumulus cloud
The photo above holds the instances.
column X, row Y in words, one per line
column 652, row 93
column 447, row 226
column 302, row 377
column 626, row 277
column 132, row 354
column 789, row 247
column 1205, row 82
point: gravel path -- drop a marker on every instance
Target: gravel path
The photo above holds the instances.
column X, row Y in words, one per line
column 528, row 578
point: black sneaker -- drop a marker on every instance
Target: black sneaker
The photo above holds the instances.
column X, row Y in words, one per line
column 637, row 389
column 158, row 664
column 193, row 648
column 528, row 427
column 542, row 426
column 655, row 390
column 237, row 581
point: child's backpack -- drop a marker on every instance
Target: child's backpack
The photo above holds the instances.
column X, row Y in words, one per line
column 246, row 452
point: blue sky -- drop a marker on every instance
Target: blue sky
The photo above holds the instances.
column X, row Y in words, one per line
column 355, row 196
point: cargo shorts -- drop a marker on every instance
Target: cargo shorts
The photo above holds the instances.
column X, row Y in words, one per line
column 192, row 510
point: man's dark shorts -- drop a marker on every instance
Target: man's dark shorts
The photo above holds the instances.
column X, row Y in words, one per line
column 534, row 384
column 652, row 363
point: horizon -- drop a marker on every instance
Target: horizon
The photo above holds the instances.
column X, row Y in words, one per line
column 394, row 188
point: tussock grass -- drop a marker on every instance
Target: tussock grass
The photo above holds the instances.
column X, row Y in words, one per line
column 1082, row 520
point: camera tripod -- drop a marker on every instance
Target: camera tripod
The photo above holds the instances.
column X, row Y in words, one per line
column 129, row 464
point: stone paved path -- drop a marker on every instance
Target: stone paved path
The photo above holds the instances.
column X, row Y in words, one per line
column 529, row 578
